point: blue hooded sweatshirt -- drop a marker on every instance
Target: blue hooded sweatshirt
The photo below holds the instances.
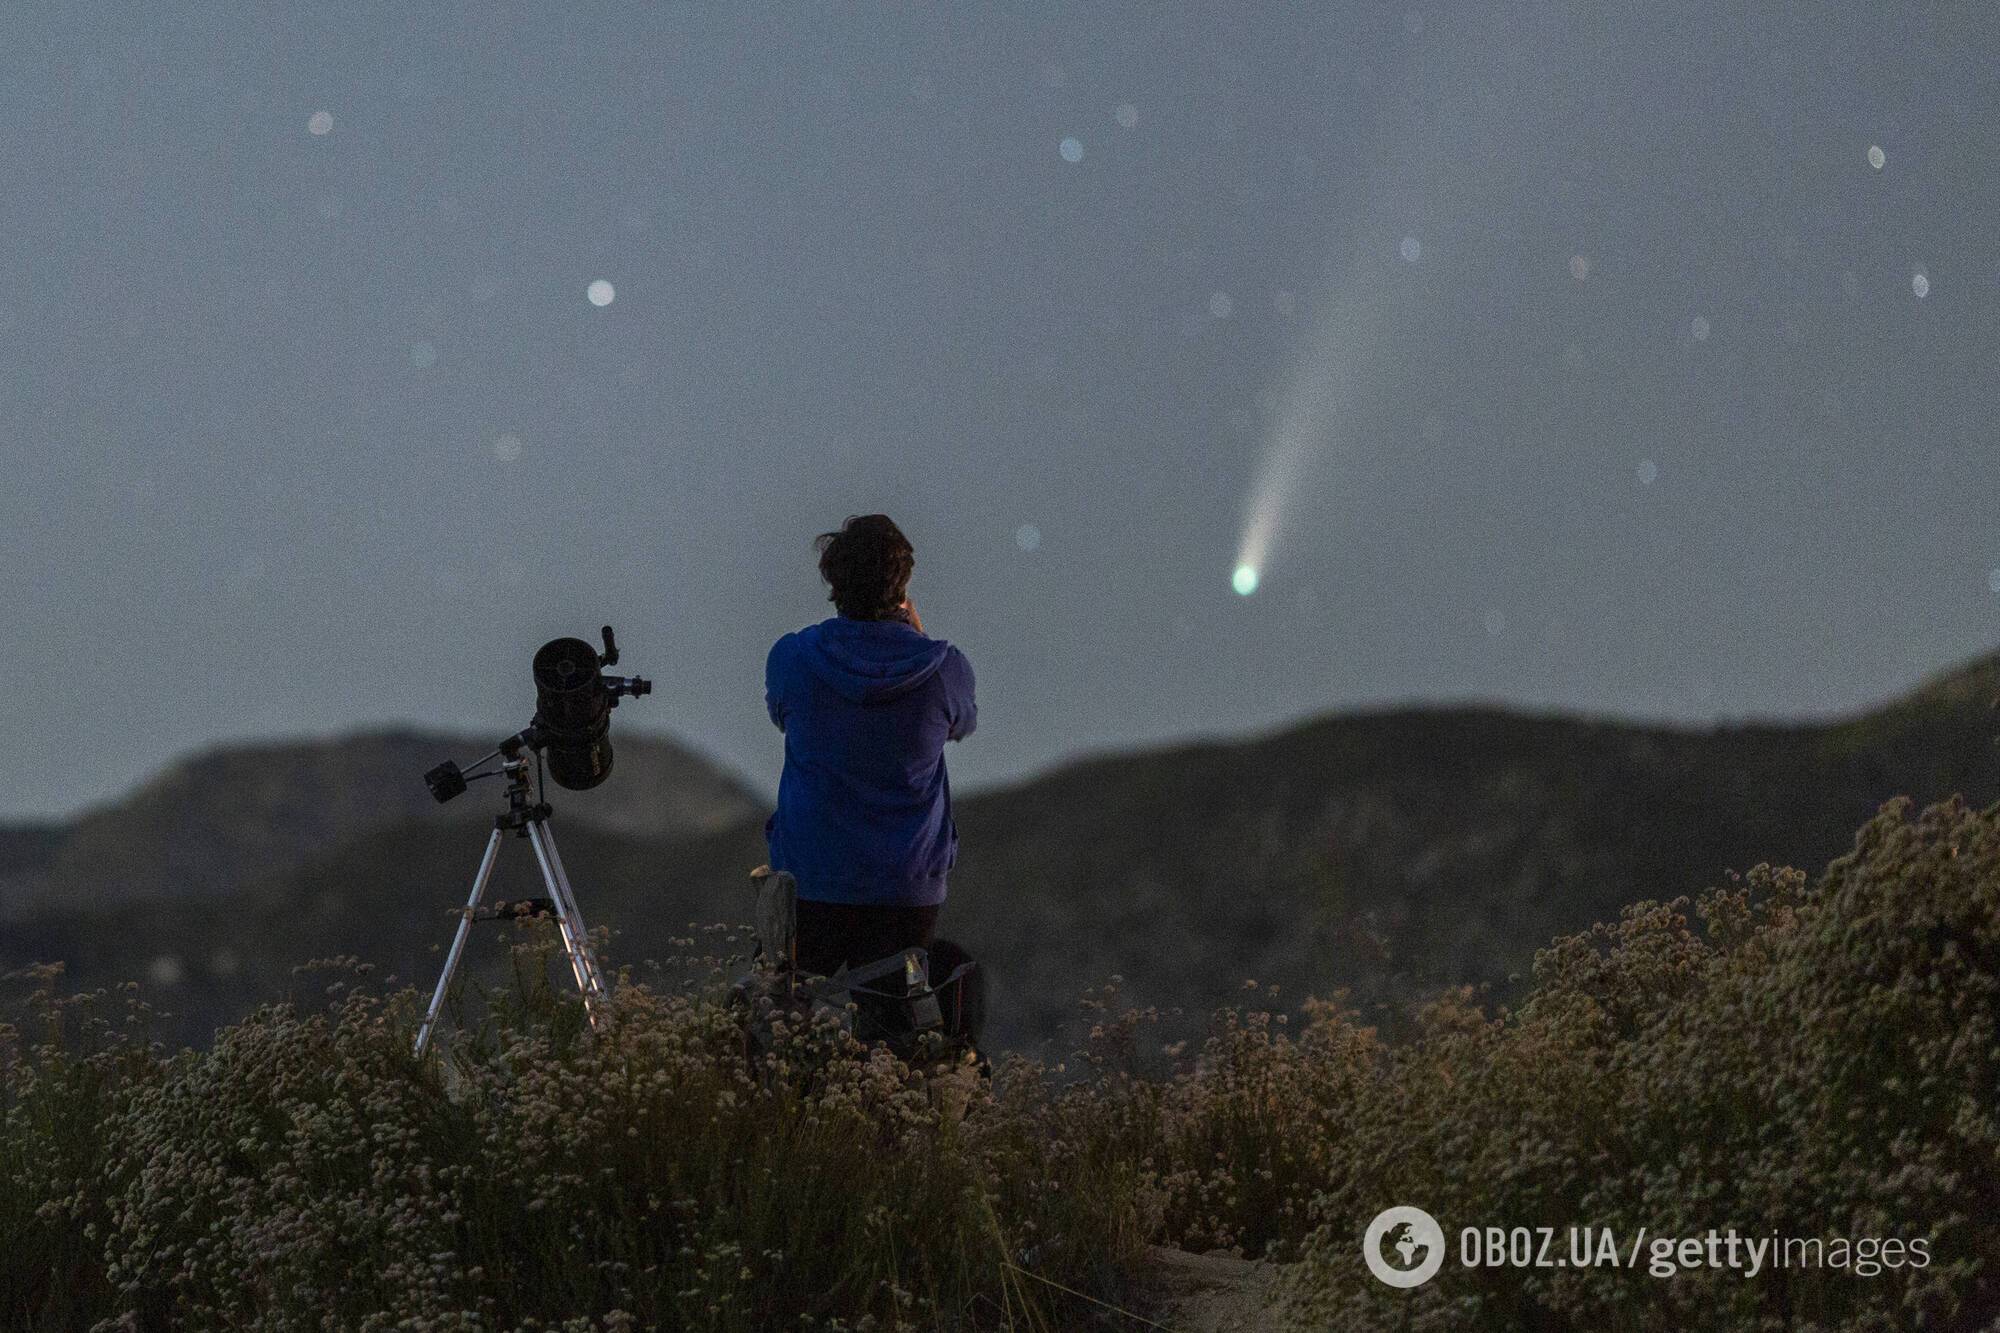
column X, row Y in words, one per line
column 864, row 806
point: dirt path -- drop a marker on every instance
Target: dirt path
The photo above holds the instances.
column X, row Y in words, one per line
column 1208, row 1293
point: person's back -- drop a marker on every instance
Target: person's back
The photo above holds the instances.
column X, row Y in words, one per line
column 867, row 702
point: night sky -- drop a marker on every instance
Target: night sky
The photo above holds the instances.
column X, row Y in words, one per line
column 1633, row 358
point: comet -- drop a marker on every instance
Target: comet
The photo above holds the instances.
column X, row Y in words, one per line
column 1308, row 415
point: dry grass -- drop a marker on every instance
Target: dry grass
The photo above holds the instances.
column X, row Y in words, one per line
column 1812, row 1060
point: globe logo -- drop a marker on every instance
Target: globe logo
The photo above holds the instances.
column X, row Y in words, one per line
column 1404, row 1246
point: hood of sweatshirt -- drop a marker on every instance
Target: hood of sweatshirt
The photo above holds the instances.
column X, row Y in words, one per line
column 869, row 661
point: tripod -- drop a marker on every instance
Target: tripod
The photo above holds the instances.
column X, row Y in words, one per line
column 529, row 819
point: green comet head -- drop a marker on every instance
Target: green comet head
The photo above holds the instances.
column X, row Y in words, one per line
column 1244, row 580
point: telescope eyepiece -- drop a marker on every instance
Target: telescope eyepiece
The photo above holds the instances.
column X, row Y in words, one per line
column 634, row 686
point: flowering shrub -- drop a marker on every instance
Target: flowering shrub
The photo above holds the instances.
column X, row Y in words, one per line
column 307, row 1171
column 1807, row 1061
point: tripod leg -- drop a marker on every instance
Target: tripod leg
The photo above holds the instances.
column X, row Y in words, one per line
column 581, row 964
column 458, row 940
column 573, row 912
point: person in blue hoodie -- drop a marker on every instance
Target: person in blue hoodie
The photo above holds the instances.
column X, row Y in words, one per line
column 867, row 701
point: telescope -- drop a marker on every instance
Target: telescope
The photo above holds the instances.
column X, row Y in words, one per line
column 571, row 731
column 572, row 723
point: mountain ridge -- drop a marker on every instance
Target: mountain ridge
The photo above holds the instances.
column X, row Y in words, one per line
column 1387, row 852
column 222, row 814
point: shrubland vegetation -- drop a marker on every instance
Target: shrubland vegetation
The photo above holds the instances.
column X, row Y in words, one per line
column 1810, row 1060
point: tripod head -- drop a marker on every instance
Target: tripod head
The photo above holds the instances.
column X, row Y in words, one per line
column 572, row 722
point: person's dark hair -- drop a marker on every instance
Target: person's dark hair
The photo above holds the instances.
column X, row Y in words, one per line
column 867, row 565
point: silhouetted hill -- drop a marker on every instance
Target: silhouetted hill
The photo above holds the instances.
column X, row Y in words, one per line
column 1391, row 852
column 1403, row 851
column 27, row 847
column 212, row 824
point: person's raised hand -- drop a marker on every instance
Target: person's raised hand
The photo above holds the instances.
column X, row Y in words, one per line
column 910, row 610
